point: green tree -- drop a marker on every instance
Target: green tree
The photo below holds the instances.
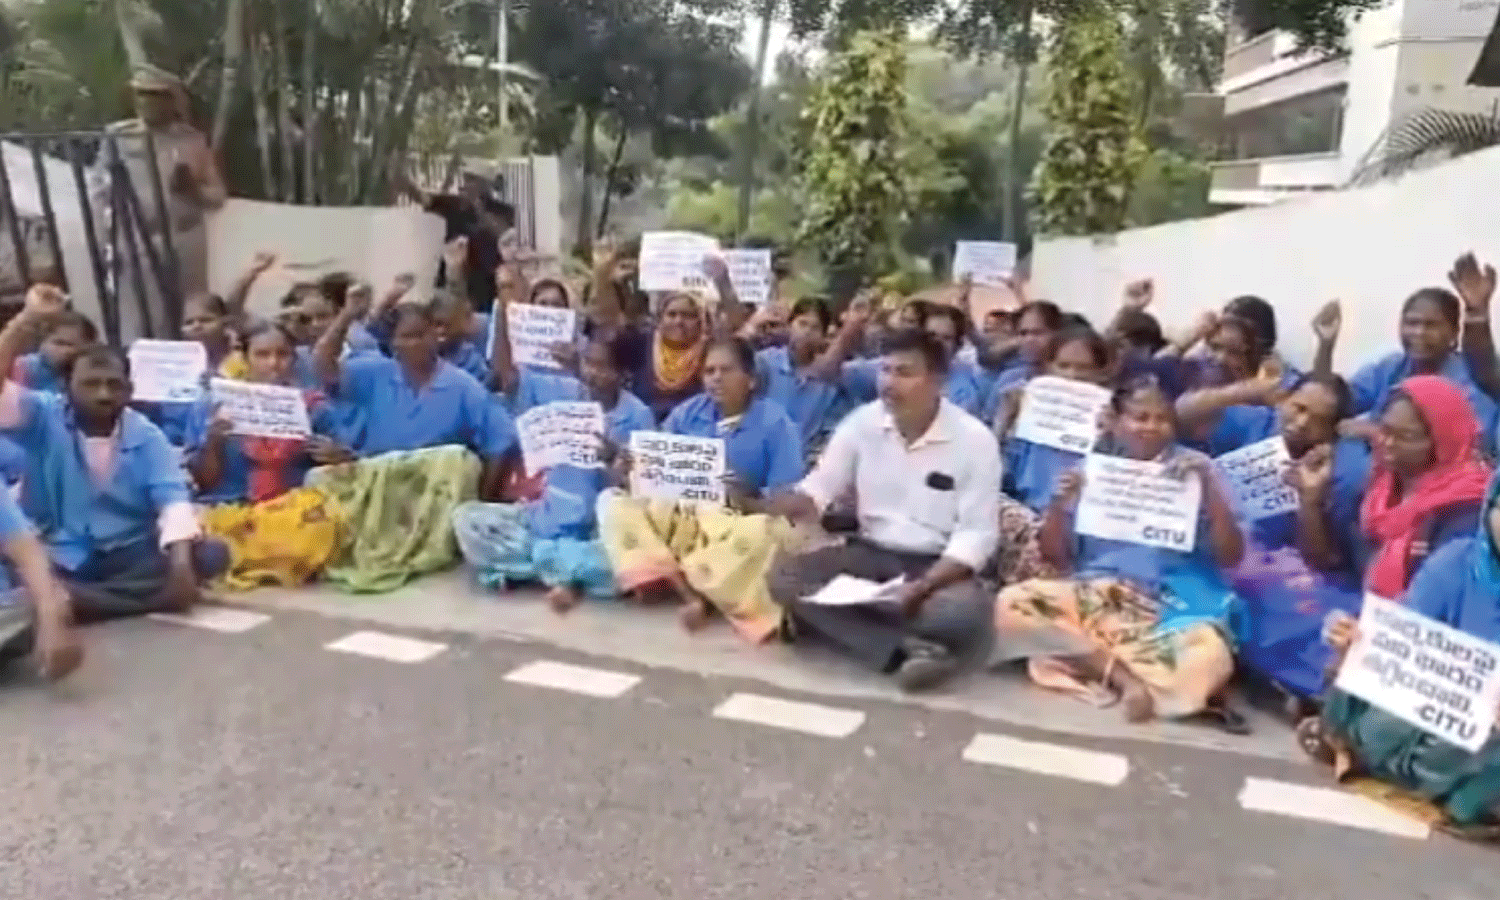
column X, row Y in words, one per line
column 616, row 68
column 1093, row 150
column 852, row 159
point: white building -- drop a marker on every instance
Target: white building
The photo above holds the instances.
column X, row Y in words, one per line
column 1293, row 123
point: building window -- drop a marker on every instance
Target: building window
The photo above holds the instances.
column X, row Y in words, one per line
column 1312, row 123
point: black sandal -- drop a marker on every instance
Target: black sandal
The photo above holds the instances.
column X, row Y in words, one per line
column 1223, row 717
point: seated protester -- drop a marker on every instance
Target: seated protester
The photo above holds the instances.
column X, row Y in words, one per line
column 205, row 319
column 709, row 555
column 62, row 337
column 104, row 488
column 554, row 538
column 872, row 341
column 802, row 377
column 431, row 440
column 1429, row 335
column 12, row 462
column 1307, row 561
column 277, row 531
column 949, row 325
column 36, row 619
column 1149, row 625
column 1458, row 586
column 1235, row 356
column 1428, row 481
column 1033, row 470
column 928, row 480
column 1036, row 324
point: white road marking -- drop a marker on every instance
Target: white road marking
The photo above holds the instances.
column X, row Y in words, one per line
column 216, row 618
column 576, row 679
column 387, row 646
column 1328, row 805
column 808, row 718
column 1048, row 759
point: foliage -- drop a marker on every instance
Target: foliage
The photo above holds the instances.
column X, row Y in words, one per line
column 653, row 67
column 1083, row 182
column 1317, row 24
column 852, row 158
column 308, row 101
column 1427, row 136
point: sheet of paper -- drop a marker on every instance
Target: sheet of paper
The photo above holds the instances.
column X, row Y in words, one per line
column 1423, row 672
column 167, row 371
column 676, row 467
column 262, row 410
column 986, row 262
column 673, row 260
column 562, row 433
column 750, row 273
column 533, row 330
column 846, row 590
column 1061, row 413
column 1257, row 475
column 1135, row 501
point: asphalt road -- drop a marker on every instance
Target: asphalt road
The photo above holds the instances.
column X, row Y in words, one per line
column 184, row 763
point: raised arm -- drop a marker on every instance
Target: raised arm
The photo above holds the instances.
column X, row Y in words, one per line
column 1475, row 285
column 329, row 350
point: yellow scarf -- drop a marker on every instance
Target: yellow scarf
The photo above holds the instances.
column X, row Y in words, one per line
column 677, row 367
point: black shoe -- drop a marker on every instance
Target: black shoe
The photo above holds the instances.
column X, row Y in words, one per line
column 926, row 666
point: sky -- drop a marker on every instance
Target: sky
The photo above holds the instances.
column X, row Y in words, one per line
column 779, row 35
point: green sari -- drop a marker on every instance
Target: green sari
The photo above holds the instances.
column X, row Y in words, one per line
column 400, row 507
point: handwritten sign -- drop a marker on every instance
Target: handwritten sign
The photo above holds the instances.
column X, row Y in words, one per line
column 533, row 330
column 986, row 262
column 167, row 371
column 1421, row 671
column 262, row 410
column 750, row 273
column 1137, row 502
column 1256, row 475
column 561, row 434
column 1060, row 413
column 676, row 467
column 673, row 260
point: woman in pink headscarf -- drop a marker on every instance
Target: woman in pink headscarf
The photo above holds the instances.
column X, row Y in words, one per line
column 1428, row 484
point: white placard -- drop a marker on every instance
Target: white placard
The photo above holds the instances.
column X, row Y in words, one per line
column 1421, row 671
column 1257, row 474
column 533, row 330
column 846, row 590
column 750, row 273
column 376, row 243
column 986, row 262
column 558, row 434
column 167, row 371
column 673, row 260
column 1060, row 413
column 262, row 410
column 676, row 467
column 1135, row 501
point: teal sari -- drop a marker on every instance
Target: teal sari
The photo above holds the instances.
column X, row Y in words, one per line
column 1459, row 586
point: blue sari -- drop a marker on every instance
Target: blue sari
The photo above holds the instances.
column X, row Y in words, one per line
column 1459, row 585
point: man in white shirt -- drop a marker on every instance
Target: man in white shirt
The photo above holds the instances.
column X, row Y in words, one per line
column 927, row 478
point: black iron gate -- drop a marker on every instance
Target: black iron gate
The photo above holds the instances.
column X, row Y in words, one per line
column 69, row 198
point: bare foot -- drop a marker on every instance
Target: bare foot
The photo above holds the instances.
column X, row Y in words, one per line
column 693, row 615
column 1138, row 705
column 562, row 599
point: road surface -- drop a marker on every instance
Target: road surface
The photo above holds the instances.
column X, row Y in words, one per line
column 291, row 755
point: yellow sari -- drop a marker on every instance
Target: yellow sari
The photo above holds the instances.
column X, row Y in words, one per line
column 283, row 542
column 721, row 554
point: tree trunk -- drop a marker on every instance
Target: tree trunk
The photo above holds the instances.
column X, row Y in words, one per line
column 584, row 246
column 262, row 118
column 309, row 113
column 283, row 103
column 234, row 49
column 1008, row 226
column 752, row 121
column 609, row 180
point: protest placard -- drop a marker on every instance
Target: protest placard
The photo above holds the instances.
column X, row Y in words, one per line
column 750, row 273
column 1061, row 413
column 673, row 260
column 985, row 262
column 1421, row 671
column 533, row 330
column 1136, row 501
column 373, row 243
column 1257, row 475
column 676, row 467
column 167, row 371
column 262, row 410
column 563, row 433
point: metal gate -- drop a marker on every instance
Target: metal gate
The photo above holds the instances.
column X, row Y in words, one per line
column 72, row 215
